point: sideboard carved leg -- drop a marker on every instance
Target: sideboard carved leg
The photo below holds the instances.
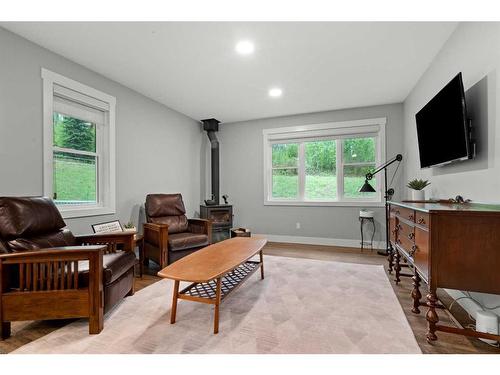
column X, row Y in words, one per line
column 390, row 259
column 415, row 293
column 432, row 317
column 397, row 266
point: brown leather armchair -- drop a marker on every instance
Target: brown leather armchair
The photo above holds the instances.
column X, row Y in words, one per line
column 46, row 273
column 168, row 234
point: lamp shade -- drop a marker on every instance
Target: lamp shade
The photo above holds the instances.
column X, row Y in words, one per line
column 367, row 188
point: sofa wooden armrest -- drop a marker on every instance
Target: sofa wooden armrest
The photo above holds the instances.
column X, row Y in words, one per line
column 110, row 239
column 46, row 286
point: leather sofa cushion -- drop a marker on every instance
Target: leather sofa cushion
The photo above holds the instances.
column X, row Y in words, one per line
column 113, row 293
column 114, row 264
column 176, row 224
column 27, row 217
column 182, row 241
column 158, row 205
column 55, row 239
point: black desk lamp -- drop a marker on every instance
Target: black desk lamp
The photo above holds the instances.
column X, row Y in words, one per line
column 367, row 188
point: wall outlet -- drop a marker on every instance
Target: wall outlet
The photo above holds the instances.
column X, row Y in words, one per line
column 297, row 225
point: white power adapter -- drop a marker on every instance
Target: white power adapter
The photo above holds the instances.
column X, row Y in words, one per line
column 487, row 322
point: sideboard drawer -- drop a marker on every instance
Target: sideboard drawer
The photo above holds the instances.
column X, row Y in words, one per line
column 405, row 244
column 421, row 253
column 422, row 219
column 404, row 213
column 405, row 231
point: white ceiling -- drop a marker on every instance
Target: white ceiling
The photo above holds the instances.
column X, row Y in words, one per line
column 193, row 68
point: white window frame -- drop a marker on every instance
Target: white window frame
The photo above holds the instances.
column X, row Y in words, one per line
column 105, row 147
column 374, row 127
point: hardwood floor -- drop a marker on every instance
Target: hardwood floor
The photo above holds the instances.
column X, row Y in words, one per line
column 25, row 332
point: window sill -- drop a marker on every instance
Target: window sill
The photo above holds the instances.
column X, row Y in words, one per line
column 74, row 212
column 325, row 203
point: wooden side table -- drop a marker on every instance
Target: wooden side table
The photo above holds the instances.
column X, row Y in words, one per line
column 240, row 232
column 139, row 243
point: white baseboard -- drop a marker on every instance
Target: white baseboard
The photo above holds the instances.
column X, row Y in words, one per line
column 320, row 241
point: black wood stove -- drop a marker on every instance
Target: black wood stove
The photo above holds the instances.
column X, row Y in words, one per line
column 221, row 215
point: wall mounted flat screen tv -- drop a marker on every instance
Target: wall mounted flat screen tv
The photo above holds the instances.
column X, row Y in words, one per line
column 442, row 127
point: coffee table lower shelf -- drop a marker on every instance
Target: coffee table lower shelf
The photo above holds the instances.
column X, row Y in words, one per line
column 214, row 291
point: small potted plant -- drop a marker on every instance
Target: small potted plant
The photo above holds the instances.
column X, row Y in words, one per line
column 129, row 227
column 417, row 189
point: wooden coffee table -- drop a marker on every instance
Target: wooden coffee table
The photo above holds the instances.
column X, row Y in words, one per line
column 214, row 271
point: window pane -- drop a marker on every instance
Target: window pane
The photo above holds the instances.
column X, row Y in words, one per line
column 75, row 178
column 358, row 150
column 354, row 178
column 285, row 183
column 321, row 173
column 285, row 155
column 70, row 132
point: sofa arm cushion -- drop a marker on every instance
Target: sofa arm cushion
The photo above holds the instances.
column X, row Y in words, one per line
column 114, row 266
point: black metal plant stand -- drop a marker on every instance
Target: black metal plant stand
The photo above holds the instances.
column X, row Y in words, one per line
column 362, row 220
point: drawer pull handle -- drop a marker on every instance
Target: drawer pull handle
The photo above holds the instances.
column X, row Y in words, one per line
column 399, row 226
column 421, row 220
column 411, row 236
column 413, row 250
column 411, row 217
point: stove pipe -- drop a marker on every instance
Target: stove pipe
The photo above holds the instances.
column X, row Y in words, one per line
column 211, row 126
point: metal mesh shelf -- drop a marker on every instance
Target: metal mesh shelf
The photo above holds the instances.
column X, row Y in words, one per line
column 228, row 282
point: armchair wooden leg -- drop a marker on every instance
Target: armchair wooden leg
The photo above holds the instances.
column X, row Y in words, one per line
column 132, row 288
column 96, row 322
column 4, row 330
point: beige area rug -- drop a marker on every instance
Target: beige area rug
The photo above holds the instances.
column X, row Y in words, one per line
column 302, row 306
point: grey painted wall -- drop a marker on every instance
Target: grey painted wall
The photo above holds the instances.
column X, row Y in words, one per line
column 157, row 149
column 474, row 50
column 242, row 176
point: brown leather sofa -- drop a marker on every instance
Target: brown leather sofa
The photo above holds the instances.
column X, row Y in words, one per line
column 168, row 234
column 45, row 273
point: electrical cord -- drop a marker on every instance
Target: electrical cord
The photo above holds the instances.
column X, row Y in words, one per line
column 473, row 326
column 468, row 296
column 458, row 299
column 484, row 307
column 394, row 174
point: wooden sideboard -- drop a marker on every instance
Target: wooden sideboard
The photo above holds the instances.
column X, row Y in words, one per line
column 454, row 246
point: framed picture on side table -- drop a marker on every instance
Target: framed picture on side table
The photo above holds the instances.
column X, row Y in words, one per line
column 108, row 227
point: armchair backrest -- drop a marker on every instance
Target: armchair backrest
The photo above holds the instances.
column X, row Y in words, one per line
column 167, row 209
column 31, row 223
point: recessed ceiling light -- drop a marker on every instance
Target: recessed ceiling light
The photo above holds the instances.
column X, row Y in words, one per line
column 245, row 47
column 275, row 92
